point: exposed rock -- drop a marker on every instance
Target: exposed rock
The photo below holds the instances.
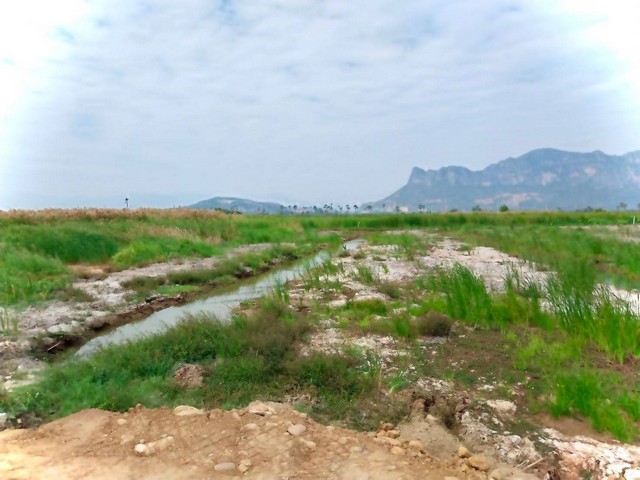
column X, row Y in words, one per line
column 187, row 411
column 225, row 467
column 479, row 462
column 259, row 408
column 148, row 449
column 417, row 445
column 297, row 429
column 189, row 375
column 463, row 452
column 308, row 444
column 3, row 419
column 503, row 407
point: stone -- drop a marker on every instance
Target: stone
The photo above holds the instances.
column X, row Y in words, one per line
column 393, row 442
column 357, row 449
column 121, row 421
column 259, row 408
column 187, row 411
column 297, row 429
column 463, row 452
column 96, row 323
column 632, row 474
column 386, row 426
column 250, row 426
column 503, row 407
column 398, row 451
column 393, row 433
column 62, row 328
column 479, row 463
column 417, row 445
column 3, row 419
column 225, row 467
column 148, row 449
column 308, row 444
column 189, row 375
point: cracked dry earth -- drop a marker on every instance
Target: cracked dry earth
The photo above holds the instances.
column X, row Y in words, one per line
column 262, row 441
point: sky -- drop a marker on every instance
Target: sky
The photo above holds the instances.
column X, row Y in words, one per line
column 309, row 101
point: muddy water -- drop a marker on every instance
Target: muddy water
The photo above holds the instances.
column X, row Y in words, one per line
column 218, row 305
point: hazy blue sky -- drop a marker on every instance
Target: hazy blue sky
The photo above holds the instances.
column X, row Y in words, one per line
column 169, row 102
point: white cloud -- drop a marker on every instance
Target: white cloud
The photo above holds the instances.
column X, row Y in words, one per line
column 314, row 100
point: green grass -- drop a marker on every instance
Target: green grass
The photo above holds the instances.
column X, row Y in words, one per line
column 252, row 357
column 121, row 239
column 576, row 344
column 588, row 329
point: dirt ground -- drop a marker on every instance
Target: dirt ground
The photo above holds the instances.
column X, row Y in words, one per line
column 262, row 441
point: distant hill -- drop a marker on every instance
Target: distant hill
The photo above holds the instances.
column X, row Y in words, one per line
column 241, row 205
column 538, row 180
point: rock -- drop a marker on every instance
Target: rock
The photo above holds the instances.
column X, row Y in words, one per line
column 386, row 427
column 189, row 375
column 357, row 449
column 96, row 323
column 632, row 474
column 250, row 426
column 308, row 444
column 148, row 449
column 62, row 328
column 393, row 442
column 187, row 411
column 393, row 433
column 225, row 467
column 3, row 419
column 121, row 421
column 479, row 463
column 297, row 429
column 398, row 451
column 416, row 445
column 259, row 408
column 503, row 407
column 463, row 452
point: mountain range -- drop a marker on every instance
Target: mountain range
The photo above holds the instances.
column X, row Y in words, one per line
column 232, row 204
column 539, row 180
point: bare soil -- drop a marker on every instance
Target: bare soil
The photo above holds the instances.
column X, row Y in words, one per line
column 160, row 444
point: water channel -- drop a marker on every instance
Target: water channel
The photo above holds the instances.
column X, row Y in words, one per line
column 219, row 305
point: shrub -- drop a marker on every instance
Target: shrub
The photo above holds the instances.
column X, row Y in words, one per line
column 434, row 324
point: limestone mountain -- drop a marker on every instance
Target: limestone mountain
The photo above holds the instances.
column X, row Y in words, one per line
column 541, row 179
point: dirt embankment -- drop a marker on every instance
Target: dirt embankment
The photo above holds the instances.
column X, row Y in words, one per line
column 262, row 441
